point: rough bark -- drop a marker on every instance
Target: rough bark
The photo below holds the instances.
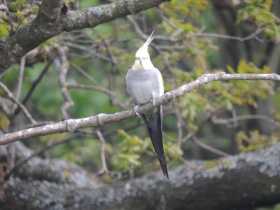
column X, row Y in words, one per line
column 239, row 182
column 51, row 21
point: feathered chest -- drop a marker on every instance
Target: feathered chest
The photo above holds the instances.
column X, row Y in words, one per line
column 143, row 85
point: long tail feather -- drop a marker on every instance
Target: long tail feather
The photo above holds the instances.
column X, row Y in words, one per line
column 154, row 127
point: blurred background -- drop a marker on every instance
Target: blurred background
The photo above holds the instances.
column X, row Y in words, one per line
column 81, row 73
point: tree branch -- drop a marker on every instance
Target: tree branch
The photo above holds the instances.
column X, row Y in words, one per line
column 63, row 72
column 71, row 125
column 50, row 10
column 253, row 179
column 50, row 22
column 17, row 103
column 34, row 84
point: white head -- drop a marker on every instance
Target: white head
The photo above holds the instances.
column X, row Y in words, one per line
column 142, row 56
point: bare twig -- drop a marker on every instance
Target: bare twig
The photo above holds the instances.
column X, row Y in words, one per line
column 21, row 75
column 102, row 153
column 180, row 123
column 245, row 117
column 89, row 51
column 71, row 125
column 84, row 73
column 209, row 148
column 33, row 87
column 112, row 74
column 143, row 36
column 50, row 146
column 253, row 35
column 63, row 71
column 20, row 105
column 36, row 82
column 96, row 87
column 112, row 95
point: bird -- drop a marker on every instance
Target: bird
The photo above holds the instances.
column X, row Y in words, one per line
column 144, row 84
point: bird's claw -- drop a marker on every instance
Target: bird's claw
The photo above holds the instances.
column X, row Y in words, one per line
column 136, row 111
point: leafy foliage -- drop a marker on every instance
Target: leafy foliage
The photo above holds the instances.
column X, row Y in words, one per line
column 259, row 11
column 254, row 141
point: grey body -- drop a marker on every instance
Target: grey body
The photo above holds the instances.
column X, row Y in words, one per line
column 144, row 85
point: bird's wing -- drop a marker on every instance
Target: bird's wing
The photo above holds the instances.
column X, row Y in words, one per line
column 142, row 85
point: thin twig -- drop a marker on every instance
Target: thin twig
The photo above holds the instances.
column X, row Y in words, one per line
column 209, row 148
column 63, row 71
column 34, row 84
column 84, row 73
column 50, row 146
column 20, row 105
column 143, row 36
column 112, row 74
column 102, row 153
column 253, row 35
column 109, row 93
column 224, row 36
column 245, row 117
column 21, row 75
column 89, row 52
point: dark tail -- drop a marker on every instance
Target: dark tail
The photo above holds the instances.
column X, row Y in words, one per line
column 154, row 126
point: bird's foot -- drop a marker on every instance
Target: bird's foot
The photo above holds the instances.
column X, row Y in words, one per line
column 136, row 111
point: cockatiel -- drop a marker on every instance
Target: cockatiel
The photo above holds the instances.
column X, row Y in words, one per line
column 145, row 84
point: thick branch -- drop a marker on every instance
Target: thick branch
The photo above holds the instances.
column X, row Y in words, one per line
column 50, row 22
column 240, row 182
column 104, row 13
column 50, row 10
column 101, row 119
